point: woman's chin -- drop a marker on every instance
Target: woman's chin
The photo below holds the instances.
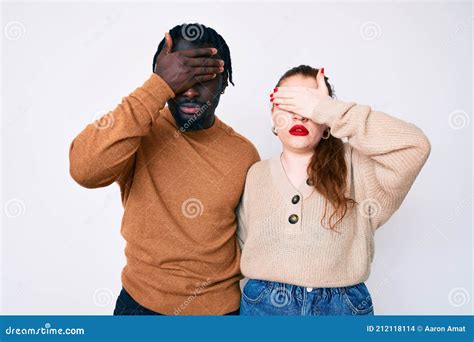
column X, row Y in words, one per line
column 299, row 145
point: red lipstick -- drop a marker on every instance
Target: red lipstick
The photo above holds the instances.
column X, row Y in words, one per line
column 298, row 130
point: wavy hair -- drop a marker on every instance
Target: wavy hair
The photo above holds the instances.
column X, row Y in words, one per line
column 327, row 170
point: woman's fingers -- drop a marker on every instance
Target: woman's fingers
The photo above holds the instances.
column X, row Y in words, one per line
column 287, row 107
column 320, row 81
column 288, row 91
column 284, row 100
column 293, row 92
column 294, row 88
column 284, row 94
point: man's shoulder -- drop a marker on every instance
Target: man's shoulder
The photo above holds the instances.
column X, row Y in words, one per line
column 241, row 142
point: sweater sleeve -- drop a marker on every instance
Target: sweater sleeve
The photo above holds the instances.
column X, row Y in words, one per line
column 388, row 154
column 241, row 224
column 104, row 151
column 241, row 214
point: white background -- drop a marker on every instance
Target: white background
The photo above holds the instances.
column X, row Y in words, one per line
column 64, row 64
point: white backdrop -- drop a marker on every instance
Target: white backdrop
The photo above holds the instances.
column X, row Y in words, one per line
column 65, row 64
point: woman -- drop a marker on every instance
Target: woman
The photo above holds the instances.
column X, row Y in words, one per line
column 307, row 217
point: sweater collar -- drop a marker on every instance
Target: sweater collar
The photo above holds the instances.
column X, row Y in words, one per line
column 283, row 183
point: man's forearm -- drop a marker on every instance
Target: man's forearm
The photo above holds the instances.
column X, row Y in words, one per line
column 99, row 154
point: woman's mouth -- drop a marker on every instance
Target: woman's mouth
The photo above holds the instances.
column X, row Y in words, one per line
column 298, row 130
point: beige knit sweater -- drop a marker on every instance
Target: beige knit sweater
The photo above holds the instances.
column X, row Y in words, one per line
column 384, row 156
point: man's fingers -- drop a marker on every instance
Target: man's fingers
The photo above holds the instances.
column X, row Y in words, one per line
column 208, row 70
column 168, row 42
column 201, row 52
column 204, row 78
column 201, row 62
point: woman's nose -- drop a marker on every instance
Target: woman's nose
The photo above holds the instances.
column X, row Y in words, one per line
column 299, row 117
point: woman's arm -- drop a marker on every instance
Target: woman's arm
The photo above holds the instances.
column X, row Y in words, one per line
column 242, row 212
column 241, row 224
column 99, row 155
column 388, row 153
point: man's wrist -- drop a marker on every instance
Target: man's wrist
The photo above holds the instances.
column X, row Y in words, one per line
column 154, row 94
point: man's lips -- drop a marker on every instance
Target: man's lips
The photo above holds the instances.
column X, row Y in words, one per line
column 298, row 130
column 189, row 108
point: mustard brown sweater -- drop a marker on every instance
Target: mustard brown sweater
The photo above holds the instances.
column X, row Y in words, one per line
column 179, row 193
column 279, row 225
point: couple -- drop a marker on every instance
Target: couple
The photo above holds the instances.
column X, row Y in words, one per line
column 201, row 209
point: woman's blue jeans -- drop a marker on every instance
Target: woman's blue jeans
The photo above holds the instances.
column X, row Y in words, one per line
column 265, row 298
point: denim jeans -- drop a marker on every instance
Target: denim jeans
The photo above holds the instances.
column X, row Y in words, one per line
column 262, row 298
column 126, row 305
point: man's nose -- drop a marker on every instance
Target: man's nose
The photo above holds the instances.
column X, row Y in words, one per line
column 191, row 93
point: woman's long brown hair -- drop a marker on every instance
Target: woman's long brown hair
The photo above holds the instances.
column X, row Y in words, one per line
column 327, row 169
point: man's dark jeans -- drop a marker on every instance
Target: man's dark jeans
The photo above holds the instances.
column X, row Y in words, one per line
column 126, row 305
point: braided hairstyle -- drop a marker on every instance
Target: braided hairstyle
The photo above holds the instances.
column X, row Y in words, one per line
column 200, row 34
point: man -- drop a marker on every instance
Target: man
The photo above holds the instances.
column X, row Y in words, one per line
column 181, row 173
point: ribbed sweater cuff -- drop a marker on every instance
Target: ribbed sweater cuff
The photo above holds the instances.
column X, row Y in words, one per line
column 153, row 94
column 329, row 111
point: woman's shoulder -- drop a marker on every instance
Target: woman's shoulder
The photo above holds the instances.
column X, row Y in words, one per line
column 260, row 168
column 259, row 171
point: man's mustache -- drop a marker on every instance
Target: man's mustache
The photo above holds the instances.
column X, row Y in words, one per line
column 187, row 101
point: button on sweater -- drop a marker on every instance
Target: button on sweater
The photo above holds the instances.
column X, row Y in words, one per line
column 280, row 232
column 179, row 193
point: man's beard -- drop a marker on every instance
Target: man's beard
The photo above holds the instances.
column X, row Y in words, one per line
column 191, row 122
